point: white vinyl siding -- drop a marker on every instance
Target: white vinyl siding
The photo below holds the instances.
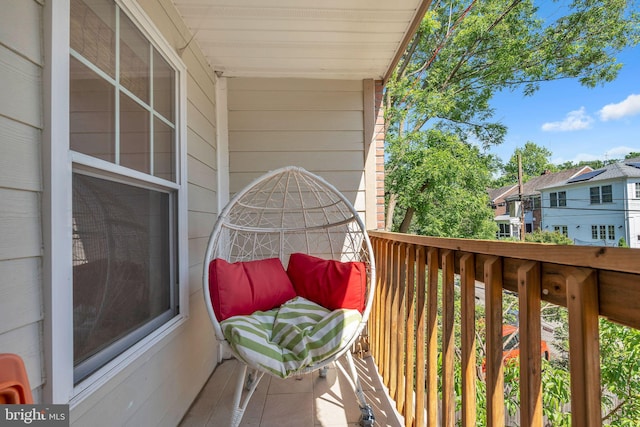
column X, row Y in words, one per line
column 21, row 185
column 143, row 391
column 315, row 124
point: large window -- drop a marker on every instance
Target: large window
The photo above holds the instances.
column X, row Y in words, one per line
column 124, row 141
column 561, row 229
column 603, row 232
column 602, row 194
column 558, row 199
column 504, row 230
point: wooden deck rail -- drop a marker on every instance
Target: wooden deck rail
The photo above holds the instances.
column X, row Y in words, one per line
column 588, row 281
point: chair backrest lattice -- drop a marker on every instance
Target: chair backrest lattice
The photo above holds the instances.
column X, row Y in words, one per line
column 286, row 211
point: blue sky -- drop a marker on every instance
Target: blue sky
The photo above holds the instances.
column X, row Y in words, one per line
column 574, row 122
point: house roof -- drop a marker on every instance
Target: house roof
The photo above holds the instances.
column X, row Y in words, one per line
column 617, row 170
column 533, row 186
column 502, row 192
column 339, row 39
column 628, row 169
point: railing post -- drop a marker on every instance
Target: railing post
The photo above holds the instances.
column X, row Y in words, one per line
column 584, row 348
column 529, row 292
column 401, row 325
column 493, row 313
column 468, row 330
column 393, row 325
column 421, row 259
column 386, row 357
column 448, row 340
column 432, row 337
column 410, row 336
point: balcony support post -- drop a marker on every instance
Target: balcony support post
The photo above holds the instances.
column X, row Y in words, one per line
column 495, row 374
column 529, row 293
column 468, row 330
column 584, row 348
column 448, row 339
column 421, row 314
column 410, row 333
column 432, row 337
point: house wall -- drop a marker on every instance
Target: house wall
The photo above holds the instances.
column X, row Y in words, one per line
column 579, row 214
column 21, row 62
column 158, row 387
column 633, row 214
column 315, row 124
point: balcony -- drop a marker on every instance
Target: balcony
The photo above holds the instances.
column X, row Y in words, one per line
column 417, row 274
column 413, row 324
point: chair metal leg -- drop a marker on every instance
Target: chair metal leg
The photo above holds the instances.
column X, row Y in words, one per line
column 367, row 419
column 247, row 380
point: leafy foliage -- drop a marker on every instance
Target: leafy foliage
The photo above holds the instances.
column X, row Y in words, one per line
column 448, row 201
column 463, row 53
column 535, row 161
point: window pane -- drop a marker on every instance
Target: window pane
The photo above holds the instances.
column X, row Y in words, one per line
column 562, row 198
column 134, row 59
column 611, row 232
column 164, row 160
column 607, row 194
column 594, row 231
column 637, row 190
column 134, row 135
column 594, row 193
column 603, row 232
column 93, row 32
column 91, row 113
column 121, row 259
column 554, row 199
column 163, row 86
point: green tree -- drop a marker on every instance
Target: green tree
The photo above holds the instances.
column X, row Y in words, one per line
column 447, row 201
column 632, row 155
column 463, row 53
column 535, row 161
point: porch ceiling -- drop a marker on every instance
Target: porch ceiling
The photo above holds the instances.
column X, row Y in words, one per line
column 340, row 39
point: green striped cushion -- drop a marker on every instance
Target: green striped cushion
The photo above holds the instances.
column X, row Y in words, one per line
column 298, row 334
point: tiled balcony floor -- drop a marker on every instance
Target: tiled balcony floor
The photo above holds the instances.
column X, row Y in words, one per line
column 304, row 401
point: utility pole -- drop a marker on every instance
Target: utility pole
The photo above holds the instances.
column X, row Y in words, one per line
column 521, row 191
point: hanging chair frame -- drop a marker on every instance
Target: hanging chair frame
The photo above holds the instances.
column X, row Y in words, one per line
column 338, row 213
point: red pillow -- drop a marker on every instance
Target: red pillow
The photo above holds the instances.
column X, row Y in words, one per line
column 332, row 284
column 242, row 288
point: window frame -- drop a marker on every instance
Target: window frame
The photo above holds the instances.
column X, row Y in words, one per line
column 563, row 229
column 637, row 186
column 609, row 194
column 592, row 195
column 562, row 199
column 553, row 199
column 58, row 165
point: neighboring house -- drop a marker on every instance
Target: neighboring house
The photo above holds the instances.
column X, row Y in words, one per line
column 507, row 204
column 124, row 127
column 597, row 208
column 507, row 225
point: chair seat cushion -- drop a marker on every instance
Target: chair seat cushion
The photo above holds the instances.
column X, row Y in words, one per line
column 286, row 340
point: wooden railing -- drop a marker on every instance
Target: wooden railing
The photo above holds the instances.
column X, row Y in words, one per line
column 404, row 324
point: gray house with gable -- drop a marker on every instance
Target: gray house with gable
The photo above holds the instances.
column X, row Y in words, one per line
column 596, row 208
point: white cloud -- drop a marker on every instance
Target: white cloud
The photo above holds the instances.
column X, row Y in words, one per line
column 620, row 152
column 575, row 120
column 628, row 107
